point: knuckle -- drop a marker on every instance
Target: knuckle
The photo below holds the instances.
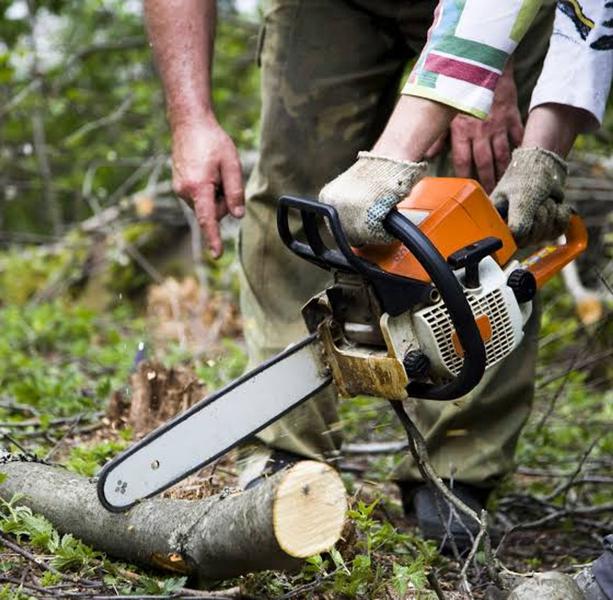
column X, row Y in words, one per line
column 235, row 197
column 502, row 152
column 185, row 187
column 482, row 162
column 462, row 163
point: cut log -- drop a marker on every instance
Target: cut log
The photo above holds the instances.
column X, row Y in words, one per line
column 292, row 515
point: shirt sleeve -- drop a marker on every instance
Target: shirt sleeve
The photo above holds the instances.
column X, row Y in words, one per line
column 579, row 64
column 468, row 45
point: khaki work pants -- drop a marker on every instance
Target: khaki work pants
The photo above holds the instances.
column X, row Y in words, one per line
column 331, row 71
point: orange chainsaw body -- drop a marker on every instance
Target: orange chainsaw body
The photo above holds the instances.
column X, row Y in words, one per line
column 454, row 213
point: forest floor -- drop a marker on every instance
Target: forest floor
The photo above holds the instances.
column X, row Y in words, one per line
column 67, row 372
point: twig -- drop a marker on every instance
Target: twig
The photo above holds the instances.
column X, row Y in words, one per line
column 13, row 441
column 552, row 517
column 391, row 447
column 105, row 121
column 565, row 486
column 52, row 422
column 68, row 432
column 435, row 585
column 307, row 587
column 13, row 406
column 579, row 365
column 419, row 451
column 588, row 479
column 475, row 546
column 41, row 590
column 233, row 592
column 558, row 392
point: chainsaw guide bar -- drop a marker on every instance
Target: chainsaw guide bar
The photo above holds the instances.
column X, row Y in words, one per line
column 210, row 428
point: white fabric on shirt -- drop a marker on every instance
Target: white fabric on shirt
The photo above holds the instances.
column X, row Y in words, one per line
column 576, row 72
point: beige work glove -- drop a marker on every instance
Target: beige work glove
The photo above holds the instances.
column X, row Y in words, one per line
column 533, row 187
column 367, row 191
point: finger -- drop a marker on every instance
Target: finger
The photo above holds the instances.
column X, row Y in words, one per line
column 437, row 147
column 501, row 202
column 232, row 180
column 516, row 133
column 539, row 228
column 221, row 210
column 502, row 153
column 561, row 218
column 556, row 220
column 461, row 157
column 484, row 162
column 204, row 204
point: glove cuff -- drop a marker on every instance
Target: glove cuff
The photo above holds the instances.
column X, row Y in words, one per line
column 540, row 158
column 385, row 175
column 379, row 157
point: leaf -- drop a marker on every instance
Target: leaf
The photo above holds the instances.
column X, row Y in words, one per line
column 338, row 561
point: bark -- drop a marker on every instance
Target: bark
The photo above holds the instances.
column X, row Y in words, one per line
column 292, row 515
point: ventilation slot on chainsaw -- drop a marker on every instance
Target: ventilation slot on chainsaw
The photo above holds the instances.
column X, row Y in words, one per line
column 496, row 312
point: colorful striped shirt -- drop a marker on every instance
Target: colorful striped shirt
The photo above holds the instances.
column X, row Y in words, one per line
column 470, row 41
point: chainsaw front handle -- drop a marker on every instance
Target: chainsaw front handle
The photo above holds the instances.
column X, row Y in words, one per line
column 441, row 274
column 551, row 259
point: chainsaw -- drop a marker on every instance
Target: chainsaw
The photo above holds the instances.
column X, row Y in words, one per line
column 423, row 317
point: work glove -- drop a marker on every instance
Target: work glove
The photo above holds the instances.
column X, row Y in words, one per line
column 532, row 187
column 367, row 191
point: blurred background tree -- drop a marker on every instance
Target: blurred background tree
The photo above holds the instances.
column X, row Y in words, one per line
column 81, row 110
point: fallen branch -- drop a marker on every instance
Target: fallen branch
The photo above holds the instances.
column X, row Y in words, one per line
column 290, row 516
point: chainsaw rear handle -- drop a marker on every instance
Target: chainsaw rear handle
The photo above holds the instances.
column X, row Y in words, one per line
column 550, row 260
column 317, row 252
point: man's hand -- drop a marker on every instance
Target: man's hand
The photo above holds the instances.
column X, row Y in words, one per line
column 533, row 190
column 367, row 191
column 207, row 173
column 484, row 147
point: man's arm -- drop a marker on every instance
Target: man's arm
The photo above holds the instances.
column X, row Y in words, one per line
column 206, row 166
column 457, row 71
column 555, row 127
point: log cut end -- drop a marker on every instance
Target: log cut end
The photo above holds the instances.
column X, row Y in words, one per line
column 309, row 509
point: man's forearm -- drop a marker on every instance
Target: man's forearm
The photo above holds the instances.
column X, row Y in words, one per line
column 554, row 127
column 182, row 34
column 414, row 126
